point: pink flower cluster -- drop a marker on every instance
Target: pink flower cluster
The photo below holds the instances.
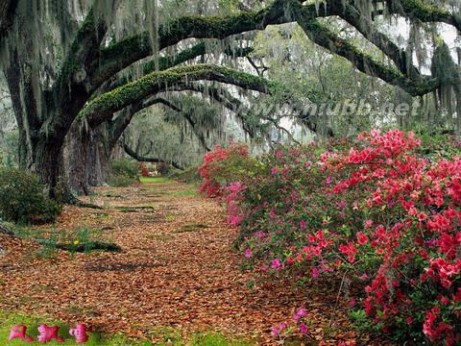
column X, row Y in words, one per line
column 300, row 328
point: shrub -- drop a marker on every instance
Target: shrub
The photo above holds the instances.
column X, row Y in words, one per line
column 221, row 166
column 144, row 170
column 384, row 212
column 120, row 181
column 126, row 168
column 163, row 168
column 22, row 199
column 123, row 173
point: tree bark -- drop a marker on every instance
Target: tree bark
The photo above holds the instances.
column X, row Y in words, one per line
column 7, row 12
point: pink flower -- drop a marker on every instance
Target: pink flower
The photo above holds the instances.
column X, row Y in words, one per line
column 328, row 180
column 299, row 314
column 422, row 216
column 361, row 238
column 278, row 154
column 234, row 220
column 247, row 253
column 302, row 224
column 349, row 250
column 235, row 187
column 260, row 235
column 315, row 272
column 278, row 329
column 303, row 329
column 274, row 170
column 276, row 264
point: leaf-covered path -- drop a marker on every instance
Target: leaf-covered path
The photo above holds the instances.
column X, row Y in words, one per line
column 177, row 269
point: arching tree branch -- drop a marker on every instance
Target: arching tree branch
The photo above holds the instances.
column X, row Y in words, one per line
column 122, row 54
column 423, row 11
column 324, row 37
column 187, row 116
column 166, row 62
column 102, row 108
column 141, row 158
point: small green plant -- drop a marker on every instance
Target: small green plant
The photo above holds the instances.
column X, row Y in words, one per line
column 123, row 173
column 22, row 199
column 127, row 168
column 217, row 339
column 120, row 181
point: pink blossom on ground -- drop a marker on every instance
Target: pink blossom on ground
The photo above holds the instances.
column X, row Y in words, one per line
column 278, row 329
column 299, row 314
column 248, row 253
column 303, row 329
column 276, row 264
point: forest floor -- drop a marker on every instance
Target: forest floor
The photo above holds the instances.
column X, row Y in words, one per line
column 178, row 272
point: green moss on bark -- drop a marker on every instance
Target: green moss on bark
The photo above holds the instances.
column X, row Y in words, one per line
column 102, row 108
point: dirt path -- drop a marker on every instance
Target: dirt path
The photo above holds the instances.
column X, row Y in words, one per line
column 177, row 269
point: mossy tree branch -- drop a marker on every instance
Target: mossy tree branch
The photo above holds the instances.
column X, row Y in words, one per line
column 362, row 23
column 142, row 158
column 324, row 37
column 423, row 11
column 166, row 62
column 242, row 113
column 122, row 54
column 102, row 108
column 121, row 122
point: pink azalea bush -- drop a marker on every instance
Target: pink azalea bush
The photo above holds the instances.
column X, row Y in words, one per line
column 381, row 210
column 222, row 166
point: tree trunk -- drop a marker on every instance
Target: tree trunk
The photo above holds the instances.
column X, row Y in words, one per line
column 87, row 156
column 76, row 150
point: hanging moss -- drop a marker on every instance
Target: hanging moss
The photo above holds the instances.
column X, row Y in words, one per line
column 102, row 107
column 448, row 76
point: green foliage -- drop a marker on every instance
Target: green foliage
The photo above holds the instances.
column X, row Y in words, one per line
column 127, row 168
column 120, row 181
column 123, row 173
column 9, row 149
column 223, row 166
column 217, row 339
column 188, row 175
column 22, row 199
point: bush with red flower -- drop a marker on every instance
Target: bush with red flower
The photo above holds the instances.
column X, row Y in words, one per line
column 380, row 211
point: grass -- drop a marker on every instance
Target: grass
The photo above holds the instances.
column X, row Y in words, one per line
column 154, row 180
column 217, row 339
column 193, row 227
column 92, row 239
column 185, row 193
column 161, row 237
column 135, row 209
column 166, row 335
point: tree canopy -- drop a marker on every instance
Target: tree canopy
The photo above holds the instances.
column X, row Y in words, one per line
column 79, row 71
